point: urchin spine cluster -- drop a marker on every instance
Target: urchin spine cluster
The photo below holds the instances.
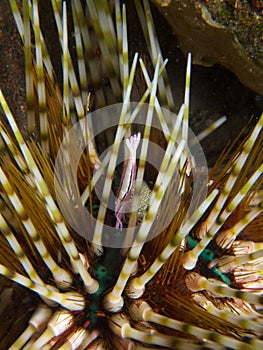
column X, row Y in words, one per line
column 70, row 287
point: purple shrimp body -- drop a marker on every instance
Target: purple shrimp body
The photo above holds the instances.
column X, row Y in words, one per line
column 127, row 183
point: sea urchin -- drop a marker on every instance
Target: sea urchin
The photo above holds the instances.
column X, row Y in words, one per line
column 110, row 220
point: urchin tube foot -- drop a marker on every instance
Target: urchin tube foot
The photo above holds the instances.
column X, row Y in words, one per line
column 112, row 303
column 194, row 282
column 73, row 301
column 63, row 278
column 135, row 289
column 189, row 260
column 93, row 287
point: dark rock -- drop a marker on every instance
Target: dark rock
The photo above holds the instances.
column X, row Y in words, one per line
column 226, row 32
